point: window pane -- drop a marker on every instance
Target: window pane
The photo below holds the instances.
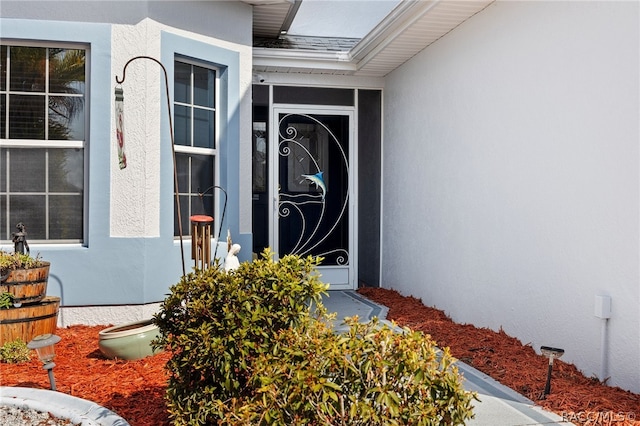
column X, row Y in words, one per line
column 203, row 91
column 182, row 126
column 182, row 84
column 26, row 117
column 259, row 156
column 66, row 118
column 3, row 110
column 30, row 210
column 182, row 168
column 65, row 221
column 203, row 205
column 66, row 170
column 66, row 71
column 3, row 67
column 3, row 175
column 201, row 173
column 203, row 130
column 184, row 211
column 27, row 170
column 28, row 66
column 5, row 234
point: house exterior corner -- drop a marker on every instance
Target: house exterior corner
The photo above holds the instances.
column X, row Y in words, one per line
column 511, row 178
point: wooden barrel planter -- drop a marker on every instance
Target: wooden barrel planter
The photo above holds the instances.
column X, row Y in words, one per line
column 26, row 285
column 29, row 321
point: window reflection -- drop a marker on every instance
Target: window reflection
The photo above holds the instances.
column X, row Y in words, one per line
column 66, row 71
column 37, row 110
column 42, row 98
column 28, row 65
column 66, row 170
column 63, row 126
column 27, row 172
column 26, row 117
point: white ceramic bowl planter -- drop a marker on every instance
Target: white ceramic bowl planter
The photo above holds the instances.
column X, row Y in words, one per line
column 60, row 405
column 128, row 341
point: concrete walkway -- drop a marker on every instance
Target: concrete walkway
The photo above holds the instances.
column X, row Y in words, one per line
column 498, row 405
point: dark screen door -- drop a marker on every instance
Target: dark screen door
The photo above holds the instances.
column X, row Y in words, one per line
column 313, row 191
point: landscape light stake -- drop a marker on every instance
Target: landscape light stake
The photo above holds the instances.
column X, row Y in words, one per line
column 43, row 344
column 550, row 353
column 120, row 98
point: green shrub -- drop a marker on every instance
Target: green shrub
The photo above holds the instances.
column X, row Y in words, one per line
column 15, row 352
column 252, row 347
column 369, row 376
column 217, row 324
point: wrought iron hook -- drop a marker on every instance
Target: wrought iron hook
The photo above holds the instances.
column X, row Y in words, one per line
column 224, row 209
column 124, row 69
column 173, row 150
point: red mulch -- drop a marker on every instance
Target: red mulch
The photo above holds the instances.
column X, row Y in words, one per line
column 579, row 399
column 132, row 389
column 135, row 389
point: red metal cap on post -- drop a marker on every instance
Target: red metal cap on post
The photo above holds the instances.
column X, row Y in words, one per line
column 201, row 219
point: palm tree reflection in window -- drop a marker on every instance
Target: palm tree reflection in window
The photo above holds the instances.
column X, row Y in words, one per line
column 44, row 101
column 40, row 76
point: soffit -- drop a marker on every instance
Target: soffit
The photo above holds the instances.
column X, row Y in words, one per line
column 271, row 17
column 408, row 29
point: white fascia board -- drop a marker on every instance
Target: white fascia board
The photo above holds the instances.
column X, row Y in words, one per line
column 297, row 58
column 265, row 2
column 393, row 25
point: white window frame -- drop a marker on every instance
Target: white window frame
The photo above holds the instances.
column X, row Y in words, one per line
column 45, row 143
column 191, row 150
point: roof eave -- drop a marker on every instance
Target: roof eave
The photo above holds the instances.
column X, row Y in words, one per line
column 405, row 14
column 296, row 58
column 390, row 44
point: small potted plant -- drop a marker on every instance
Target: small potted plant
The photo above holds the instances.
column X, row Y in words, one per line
column 23, row 286
column 23, row 276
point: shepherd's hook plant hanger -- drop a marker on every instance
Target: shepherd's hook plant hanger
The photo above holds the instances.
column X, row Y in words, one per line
column 173, row 150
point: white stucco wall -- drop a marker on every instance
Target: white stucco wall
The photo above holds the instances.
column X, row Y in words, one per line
column 135, row 190
column 511, row 177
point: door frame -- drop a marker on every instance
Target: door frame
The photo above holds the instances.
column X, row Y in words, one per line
column 274, row 113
